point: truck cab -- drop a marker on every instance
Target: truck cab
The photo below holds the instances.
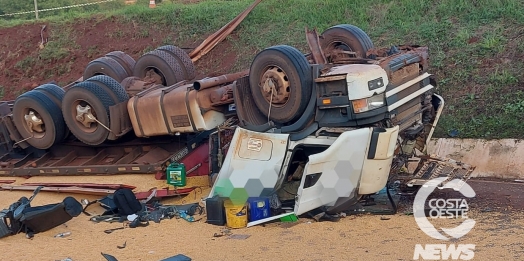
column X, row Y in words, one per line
column 349, row 127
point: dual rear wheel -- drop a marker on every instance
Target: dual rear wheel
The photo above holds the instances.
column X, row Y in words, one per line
column 86, row 104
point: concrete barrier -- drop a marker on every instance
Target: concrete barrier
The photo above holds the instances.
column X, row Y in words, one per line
column 492, row 158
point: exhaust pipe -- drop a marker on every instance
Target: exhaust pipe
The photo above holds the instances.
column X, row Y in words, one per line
column 214, row 81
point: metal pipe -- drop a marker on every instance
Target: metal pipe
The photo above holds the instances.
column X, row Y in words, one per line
column 214, row 81
column 221, row 34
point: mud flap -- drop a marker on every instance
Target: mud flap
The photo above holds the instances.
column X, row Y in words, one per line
column 252, row 165
column 334, row 174
column 120, row 122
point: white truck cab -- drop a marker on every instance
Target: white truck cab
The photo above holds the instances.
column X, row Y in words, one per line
column 338, row 170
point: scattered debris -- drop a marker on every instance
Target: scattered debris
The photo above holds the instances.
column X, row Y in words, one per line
column 281, row 216
column 224, row 232
column 123, row 246
column 109, row 231
column 178, row 257
column 385, row 218
column 65, row 234
column 239, row 236
column 166, row 192
column 109, row 257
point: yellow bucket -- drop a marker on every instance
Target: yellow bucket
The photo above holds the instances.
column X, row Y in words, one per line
column 236, row 215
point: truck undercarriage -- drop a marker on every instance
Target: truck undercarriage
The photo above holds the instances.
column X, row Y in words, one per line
column 334, row 125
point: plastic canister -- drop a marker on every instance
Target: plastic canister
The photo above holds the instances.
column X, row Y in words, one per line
column 236, row 215
column 176, row 174
column 259, row 208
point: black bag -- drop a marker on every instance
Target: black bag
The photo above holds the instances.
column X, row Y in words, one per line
column 7, row 223
column 43, row 218
column 106, row 202
column 10, row 223
column 126, row 202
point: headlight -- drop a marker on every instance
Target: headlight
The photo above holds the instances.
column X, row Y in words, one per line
column 368, row 104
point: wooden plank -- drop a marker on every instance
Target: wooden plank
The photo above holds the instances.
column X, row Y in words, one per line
column 75, row 190
column 81, row 185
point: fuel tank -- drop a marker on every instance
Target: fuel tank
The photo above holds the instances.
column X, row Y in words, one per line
column 162, row 110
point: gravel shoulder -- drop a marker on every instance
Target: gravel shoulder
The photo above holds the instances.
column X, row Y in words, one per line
column 496, row 234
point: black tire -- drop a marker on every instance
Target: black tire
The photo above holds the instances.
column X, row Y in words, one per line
column 123, row 59
column 53, row 91
column 183, row 59
column 112, row 86
column 347, row 37
column 56, row 93
column 402, row 60
column 105, row 66
column 296, row 68
column 50, row 114
column 99, row 100
column 163, row 64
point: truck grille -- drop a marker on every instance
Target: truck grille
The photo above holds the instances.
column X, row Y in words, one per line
column 408, row 113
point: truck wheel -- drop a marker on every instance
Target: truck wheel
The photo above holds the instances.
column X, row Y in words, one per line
column 123, row 59
column 37, row 117
column 345, row 37
column 85, row 108
column 53, row 91
column 183, row 60
column 279, row 76
column 105, row 66
column 159, row 64
column 113, row 87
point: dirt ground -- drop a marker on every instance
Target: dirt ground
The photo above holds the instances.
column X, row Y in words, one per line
column 497, row 233
column 24, row 66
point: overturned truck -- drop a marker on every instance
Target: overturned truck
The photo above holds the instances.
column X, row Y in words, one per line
column 346, row 117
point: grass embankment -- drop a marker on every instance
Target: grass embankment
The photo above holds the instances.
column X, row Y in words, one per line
column 477, row 47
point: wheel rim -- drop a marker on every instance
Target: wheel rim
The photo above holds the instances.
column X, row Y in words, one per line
column 34, row 123
column 337, row 49
column 274, row 86
column 154, row 75
column 84, row 116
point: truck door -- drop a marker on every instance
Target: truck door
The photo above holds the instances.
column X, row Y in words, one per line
column 334, row 173
column 252, row 165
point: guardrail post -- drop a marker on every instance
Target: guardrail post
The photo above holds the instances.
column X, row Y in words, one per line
column 36, row 9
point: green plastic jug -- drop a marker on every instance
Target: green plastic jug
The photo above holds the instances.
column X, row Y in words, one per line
column 176, row 174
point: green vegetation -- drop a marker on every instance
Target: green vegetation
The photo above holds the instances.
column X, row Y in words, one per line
column 477, row 47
